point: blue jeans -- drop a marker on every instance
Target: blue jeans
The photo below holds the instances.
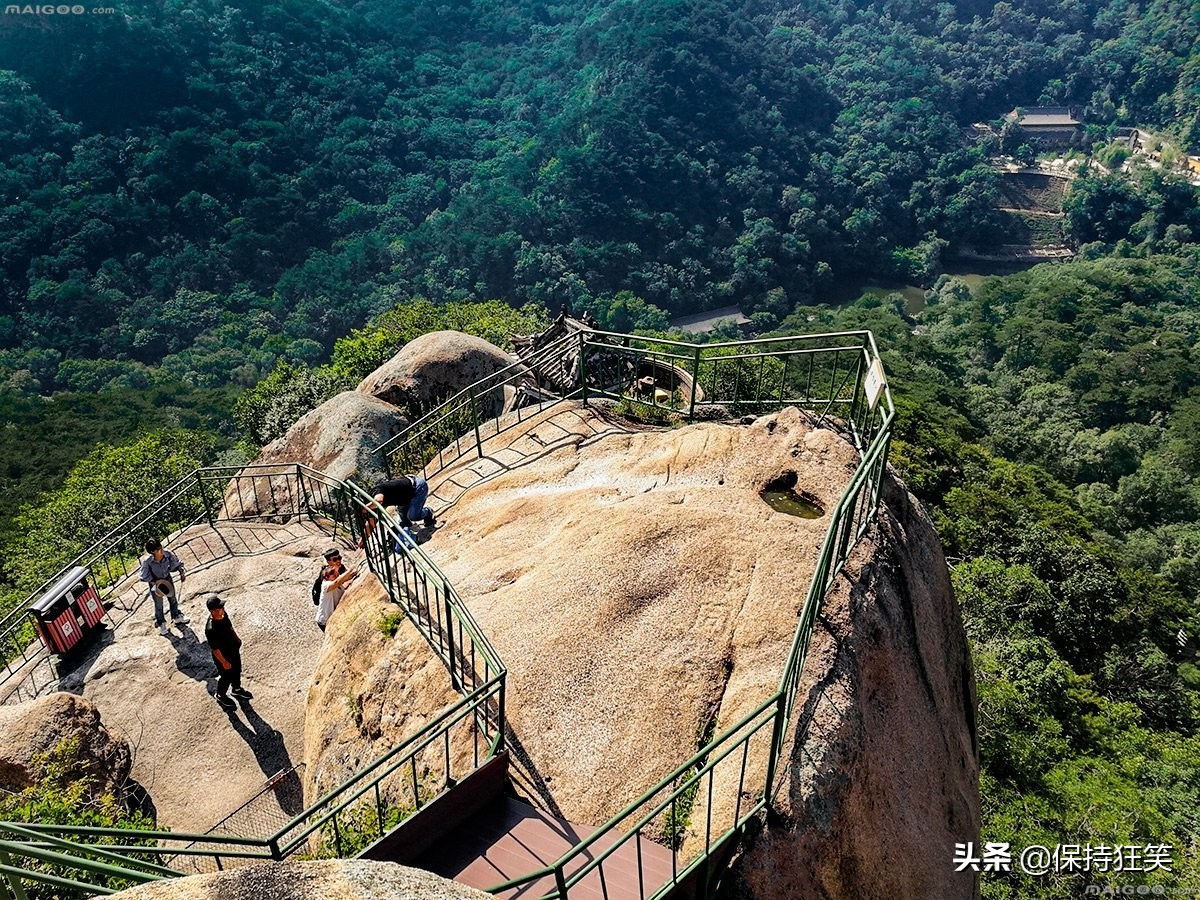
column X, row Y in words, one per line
column 172, row 599
column 417, row 509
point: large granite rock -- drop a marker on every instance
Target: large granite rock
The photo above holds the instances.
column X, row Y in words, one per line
column 434, row 367
column 886, row 779
column 338, row 438
column 643, row 596
column 39, row 726
column 339, row 879
column 367, row 686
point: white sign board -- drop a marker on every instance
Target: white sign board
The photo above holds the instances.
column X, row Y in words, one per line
column 874, row 383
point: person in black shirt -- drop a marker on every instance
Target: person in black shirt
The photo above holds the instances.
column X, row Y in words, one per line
column 408, row 494
column 226, row 649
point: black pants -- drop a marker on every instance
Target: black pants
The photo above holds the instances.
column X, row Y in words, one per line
column 227, row 679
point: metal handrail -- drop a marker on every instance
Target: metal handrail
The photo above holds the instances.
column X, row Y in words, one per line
column 841, row 535
column 518, row 368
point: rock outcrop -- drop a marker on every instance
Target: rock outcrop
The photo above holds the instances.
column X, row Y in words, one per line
column 340, row 879
column 367, row 686
column 886, row 779
column 39, row 726
column 338, row 438
column 434, row 367
column 644, row 596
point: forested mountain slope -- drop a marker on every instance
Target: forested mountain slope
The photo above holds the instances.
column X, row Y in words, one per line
column 1049, row 423
column 214, row 186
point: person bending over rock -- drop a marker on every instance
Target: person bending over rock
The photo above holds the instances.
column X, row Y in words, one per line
column 334, row 579
column 408, row 494
column 226, row 648
column 156, row 572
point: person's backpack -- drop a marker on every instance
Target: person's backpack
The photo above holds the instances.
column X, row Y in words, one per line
column 316, row 588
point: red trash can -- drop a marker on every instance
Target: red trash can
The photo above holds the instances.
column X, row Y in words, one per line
column 68, row 612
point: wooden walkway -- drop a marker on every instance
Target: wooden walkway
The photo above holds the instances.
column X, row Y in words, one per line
column 480, row 835
column 510, row 838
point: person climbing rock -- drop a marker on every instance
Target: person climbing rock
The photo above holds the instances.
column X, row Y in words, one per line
column 335, row 577
column 407, row 494
column 156, row 572
column 226, row 649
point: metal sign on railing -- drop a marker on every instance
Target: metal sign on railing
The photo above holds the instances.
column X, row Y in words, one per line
column 874, row 383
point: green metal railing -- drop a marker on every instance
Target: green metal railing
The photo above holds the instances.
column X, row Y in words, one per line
column 364, row 807
column 458, row 426
column 109, row 560
column 821, row 373
column 727, row 783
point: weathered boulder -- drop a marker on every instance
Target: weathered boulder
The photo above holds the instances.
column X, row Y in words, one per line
column 367, row 686
column 435, row 366
column 644, row 596
column 337, row 879
column 40, row 726
column 338, row 438
column 886, row 779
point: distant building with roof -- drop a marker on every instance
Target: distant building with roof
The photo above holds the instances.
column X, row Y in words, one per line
column 1047, row 126
column 699, row 323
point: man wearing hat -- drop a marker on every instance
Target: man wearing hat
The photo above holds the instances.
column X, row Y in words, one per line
column 226, row 649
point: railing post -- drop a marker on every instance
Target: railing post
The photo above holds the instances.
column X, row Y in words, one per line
column 455, row 681
column 560, row 882
column 776, row 745
column 273, row 846
column 500, row 717
column 582, row 369
column 208, row 513
column 695, row 380
column 14, row 883
column 475, row 422
column 302, row 500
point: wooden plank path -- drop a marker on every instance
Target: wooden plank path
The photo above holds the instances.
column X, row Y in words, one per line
column 510, row 838
column 480, row 834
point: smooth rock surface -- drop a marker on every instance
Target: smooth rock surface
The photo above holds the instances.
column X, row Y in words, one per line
column 643, row 595
column 434, row 367
column 39, row 726
column 197, row 761
column 342, row 879
column 367, row 687
column 886, row 779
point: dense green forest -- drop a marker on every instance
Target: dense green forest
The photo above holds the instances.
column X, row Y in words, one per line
column 215, row 215
column 193, row 191
column 1049, row 423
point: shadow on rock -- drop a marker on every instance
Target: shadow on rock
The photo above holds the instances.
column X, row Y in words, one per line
column 192, row 656
column 74, row 668
column 272, row 755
